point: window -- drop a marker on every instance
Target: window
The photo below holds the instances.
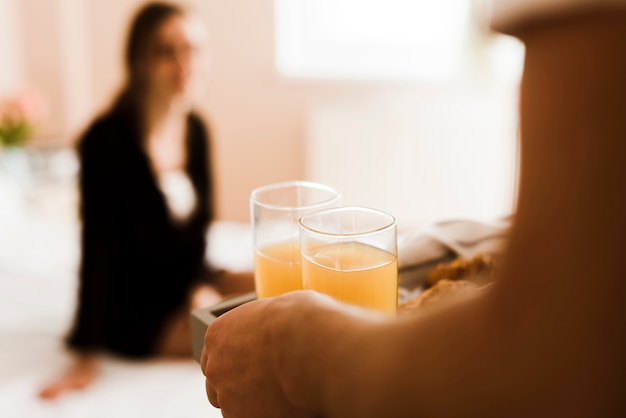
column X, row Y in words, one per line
column 420, row 153
column 371, row 39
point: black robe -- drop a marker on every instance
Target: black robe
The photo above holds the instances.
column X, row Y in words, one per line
column 137, row 264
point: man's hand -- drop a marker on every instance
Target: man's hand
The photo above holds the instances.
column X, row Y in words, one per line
column 242, row 355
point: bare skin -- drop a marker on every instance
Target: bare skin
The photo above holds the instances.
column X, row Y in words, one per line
column 79, row 375
column 176, row 341
column 546, row 340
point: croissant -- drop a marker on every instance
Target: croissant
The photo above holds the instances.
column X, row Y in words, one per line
column 453, row 278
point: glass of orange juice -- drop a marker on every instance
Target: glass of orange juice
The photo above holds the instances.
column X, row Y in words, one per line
column 275, row 211
column 351, row 253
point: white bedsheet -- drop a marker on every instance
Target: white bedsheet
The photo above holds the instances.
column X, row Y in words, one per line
column 38, row 260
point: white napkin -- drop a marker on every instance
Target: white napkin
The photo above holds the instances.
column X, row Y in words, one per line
column 419, row 250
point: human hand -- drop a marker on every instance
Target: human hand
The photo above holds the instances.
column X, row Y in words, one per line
column 241, row 358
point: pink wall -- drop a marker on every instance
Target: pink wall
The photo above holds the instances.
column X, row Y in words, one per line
column 257, row 117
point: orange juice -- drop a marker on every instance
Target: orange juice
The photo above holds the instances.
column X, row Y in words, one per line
column 277, row 269
column 354, row 273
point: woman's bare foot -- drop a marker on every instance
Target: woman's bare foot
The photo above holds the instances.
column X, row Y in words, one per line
column 79, row 376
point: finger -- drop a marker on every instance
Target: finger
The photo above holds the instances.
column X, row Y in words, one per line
column 211, row 393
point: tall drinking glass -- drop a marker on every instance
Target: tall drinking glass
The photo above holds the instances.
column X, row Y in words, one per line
column 275, row 211
column 351, row 253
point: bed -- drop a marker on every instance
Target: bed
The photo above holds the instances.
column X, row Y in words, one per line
column 39, row 254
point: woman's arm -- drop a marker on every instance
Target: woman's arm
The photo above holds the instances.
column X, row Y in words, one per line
column 200, row 163
column 97, row 261
column 97, row 183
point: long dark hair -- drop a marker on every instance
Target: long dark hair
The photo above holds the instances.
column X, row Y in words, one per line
column 131, row 100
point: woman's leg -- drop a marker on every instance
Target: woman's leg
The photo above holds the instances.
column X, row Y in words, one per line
column 176, row 338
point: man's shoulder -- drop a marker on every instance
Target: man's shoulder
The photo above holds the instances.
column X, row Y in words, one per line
column 509, row 15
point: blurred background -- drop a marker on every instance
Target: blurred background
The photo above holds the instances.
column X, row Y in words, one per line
column 400, row 104
column 404, row 105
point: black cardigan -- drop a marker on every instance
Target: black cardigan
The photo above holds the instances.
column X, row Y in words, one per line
column 137, row 265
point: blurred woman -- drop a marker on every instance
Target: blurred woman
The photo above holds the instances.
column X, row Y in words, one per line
column 146, row 202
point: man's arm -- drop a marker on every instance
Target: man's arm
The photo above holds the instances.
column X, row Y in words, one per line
column 546, row 340
column 550, row 327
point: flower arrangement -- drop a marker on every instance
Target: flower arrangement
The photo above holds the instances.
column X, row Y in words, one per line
column 19, row 113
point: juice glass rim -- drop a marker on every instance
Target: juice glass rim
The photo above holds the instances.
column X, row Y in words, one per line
column 392, row 222
column 254, row 195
